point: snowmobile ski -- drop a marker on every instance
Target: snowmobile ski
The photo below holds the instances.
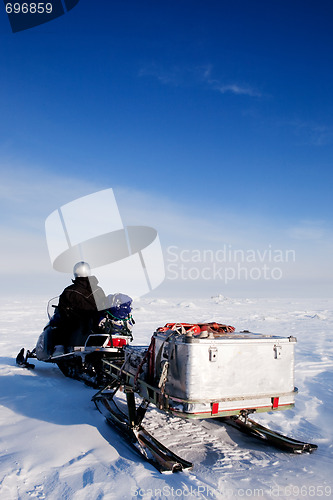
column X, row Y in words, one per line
column 148, row 447
column 264, row 434
column 21, row 359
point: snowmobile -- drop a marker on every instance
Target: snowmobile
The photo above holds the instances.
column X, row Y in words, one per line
column 198, row 371
column 99, row 336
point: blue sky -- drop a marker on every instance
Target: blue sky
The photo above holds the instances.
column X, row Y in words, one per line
column 207, row 117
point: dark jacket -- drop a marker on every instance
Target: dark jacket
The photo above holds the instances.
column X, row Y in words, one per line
column 83, row 296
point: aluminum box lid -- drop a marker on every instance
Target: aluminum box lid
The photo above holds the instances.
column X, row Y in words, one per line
column 228, row 338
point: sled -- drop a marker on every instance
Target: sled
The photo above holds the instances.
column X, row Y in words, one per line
column 192, row 376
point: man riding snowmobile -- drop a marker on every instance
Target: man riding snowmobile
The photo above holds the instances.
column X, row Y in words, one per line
column 78, row 308
column 84, row 327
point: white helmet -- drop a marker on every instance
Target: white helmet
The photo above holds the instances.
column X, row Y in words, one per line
column 81, row 270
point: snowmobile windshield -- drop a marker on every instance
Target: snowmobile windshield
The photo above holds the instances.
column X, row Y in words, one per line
column 51, row 305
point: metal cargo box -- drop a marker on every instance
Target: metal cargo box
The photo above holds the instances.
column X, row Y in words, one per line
column 225, row 374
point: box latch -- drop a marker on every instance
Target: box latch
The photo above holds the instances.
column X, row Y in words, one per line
column 213, row 353
column 277, row 351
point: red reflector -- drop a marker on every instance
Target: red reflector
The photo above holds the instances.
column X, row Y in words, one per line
column 215, row 408
column 118, row 342
column 275, row 402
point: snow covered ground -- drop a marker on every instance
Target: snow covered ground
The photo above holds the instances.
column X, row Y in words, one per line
column 55, row 445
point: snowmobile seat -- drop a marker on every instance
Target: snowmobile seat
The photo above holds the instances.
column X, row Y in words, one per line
column 79, row 335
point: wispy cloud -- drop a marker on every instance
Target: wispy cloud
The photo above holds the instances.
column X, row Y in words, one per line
column 312, row 132
column 237, row 89
column 174, row 76
column 202, row 75
column 234, row 87
column 309, row 230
